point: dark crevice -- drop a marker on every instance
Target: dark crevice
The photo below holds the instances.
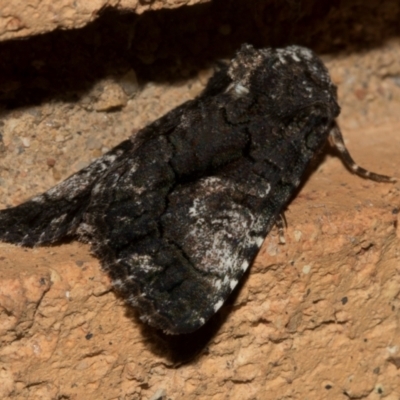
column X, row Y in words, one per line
column 93, row 354
column 171, row 45
column 32, row 384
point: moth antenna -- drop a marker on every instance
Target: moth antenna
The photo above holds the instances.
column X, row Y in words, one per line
column 337, row 141
column 281, row 224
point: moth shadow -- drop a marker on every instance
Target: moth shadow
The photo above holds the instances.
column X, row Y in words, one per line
column 187, row 348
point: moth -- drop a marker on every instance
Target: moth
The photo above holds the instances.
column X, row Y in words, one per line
column 177, row 213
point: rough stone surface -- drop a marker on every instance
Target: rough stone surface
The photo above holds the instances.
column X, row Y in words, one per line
column 317, row 318
column 22, row 18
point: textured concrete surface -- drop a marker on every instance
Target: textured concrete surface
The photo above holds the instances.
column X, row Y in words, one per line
column 22, row 18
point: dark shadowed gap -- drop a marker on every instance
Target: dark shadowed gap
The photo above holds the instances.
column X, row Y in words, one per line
column 172, row 45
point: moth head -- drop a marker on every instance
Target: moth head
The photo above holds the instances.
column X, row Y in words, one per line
column 285, row 80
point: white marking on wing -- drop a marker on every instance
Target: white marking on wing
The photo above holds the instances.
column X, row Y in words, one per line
column 218, row 305
column 233, row 284
column 240, row 89
column 259, row 241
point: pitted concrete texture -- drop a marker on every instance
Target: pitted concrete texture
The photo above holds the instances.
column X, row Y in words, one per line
column 20, row 19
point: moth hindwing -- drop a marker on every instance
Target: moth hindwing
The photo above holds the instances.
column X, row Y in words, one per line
column 177, row 213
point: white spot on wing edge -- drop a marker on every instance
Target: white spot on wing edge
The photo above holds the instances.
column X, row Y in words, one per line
column 218, row 305
column 245, row 265
column 110, row 157
column 40, row 198
column 233, row 283
column 259, row 241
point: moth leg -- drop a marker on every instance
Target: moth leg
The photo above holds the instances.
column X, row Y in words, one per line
column 281, row 224
column 336, row 140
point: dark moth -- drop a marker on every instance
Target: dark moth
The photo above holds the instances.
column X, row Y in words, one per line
column 177, row 213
